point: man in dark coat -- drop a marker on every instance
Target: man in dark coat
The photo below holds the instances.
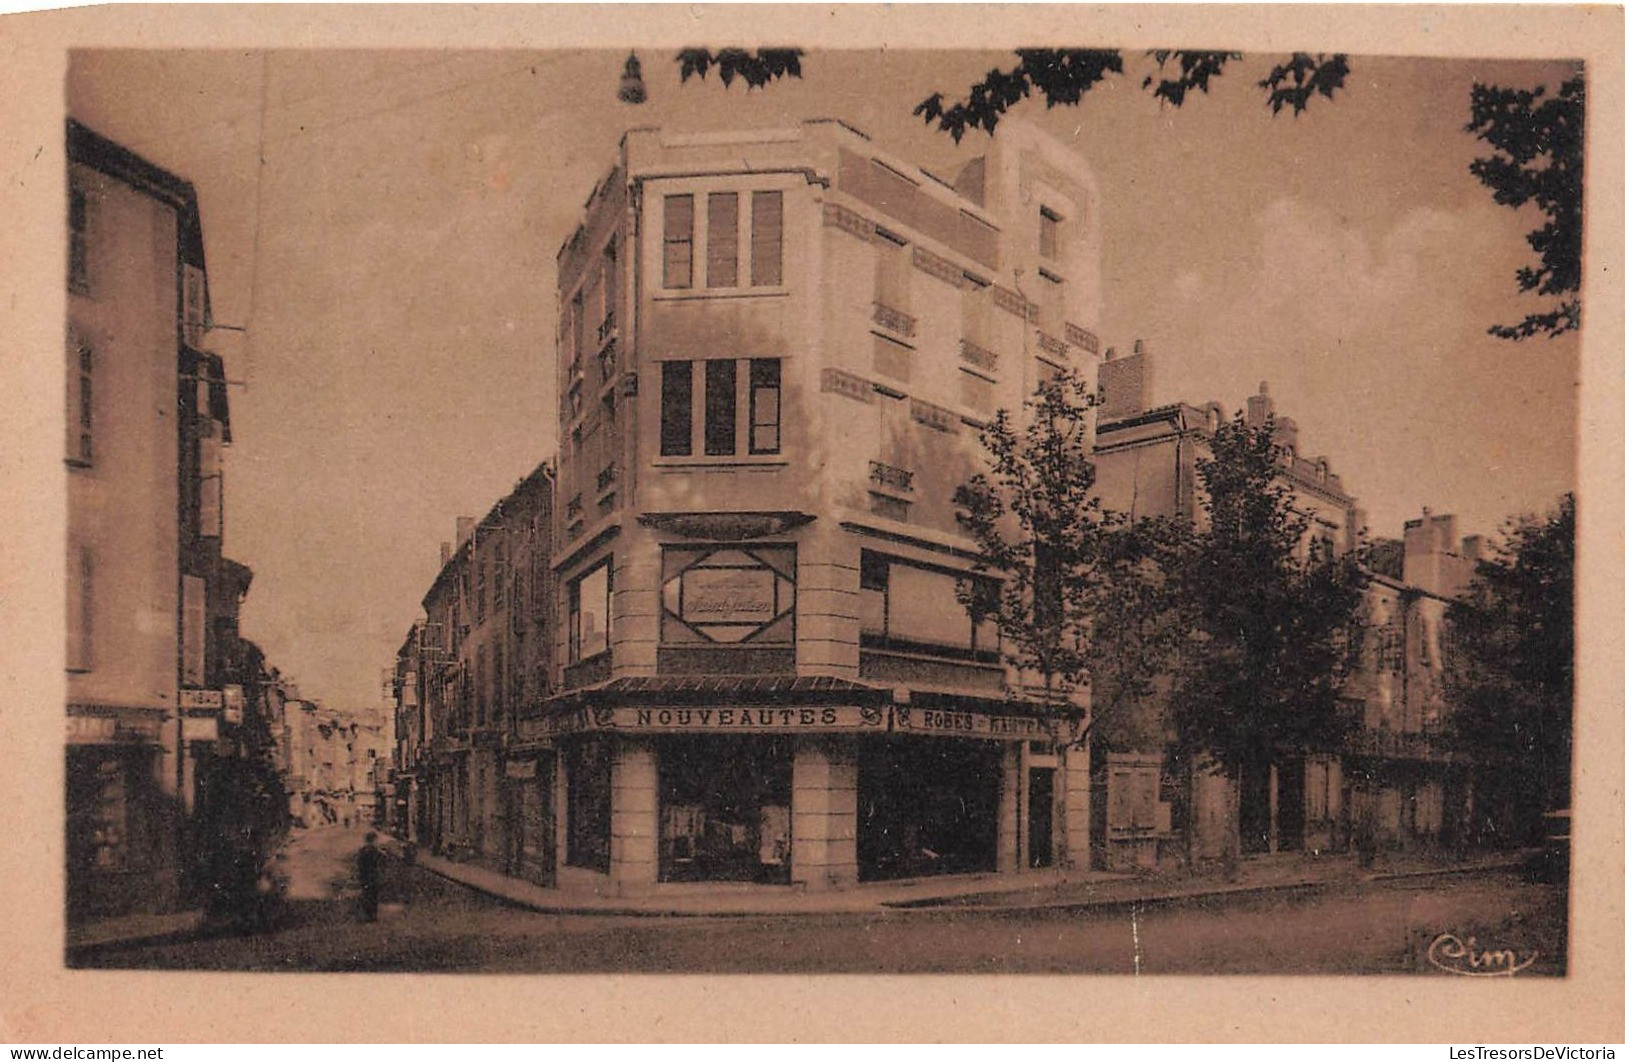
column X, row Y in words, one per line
column 369, row 865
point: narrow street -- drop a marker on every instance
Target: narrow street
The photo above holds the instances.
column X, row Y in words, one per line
column 430, row 924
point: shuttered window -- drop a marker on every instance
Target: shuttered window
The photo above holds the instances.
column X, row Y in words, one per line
column 766, row 239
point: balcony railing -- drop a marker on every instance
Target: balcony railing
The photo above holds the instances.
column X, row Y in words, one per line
column 606, row 477
column 893, row 319
column 980, row 357
column 899, row 479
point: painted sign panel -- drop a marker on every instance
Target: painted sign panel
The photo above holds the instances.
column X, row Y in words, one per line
column 201, row 729
column 731, row 720
column 727, row 595
column 945, row 722
column 101, row 730
column 202, row 699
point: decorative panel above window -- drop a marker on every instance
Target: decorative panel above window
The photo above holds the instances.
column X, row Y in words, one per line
column 728, row 596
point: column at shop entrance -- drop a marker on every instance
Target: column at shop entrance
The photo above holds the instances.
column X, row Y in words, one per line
column 724, row 808
column 929, row 805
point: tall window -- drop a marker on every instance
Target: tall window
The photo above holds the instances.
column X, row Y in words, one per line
column 193, row 631
column 764, row 405
column 1049, row 233
column 766, row 239
column 78, row 241
column 481, row 690
column 722, row 240
column 678, row 266
column 81, row 406
column 676, row 409
column 589, row 614
column 720, row 409
column 891, row 270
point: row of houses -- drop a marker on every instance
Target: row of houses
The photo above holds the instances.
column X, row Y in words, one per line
column 169, row 711
column 719, row 639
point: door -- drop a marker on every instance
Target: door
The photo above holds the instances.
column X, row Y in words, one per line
column 1041, row 817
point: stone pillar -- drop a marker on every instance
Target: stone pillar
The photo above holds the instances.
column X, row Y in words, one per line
column 1073, row 781
column 633, row 834
column 824, row 813
column 1009, row 859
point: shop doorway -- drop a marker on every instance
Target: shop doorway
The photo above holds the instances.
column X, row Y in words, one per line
column 927, row 806
column 1289, row 806
column 1041, row 817
column 725, row 809
column 1255, row 809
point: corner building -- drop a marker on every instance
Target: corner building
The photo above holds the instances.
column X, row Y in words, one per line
column 775, row 350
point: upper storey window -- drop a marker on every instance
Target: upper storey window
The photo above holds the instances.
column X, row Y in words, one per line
column 1049, row 234
column 678, row 269
column 735, row 248
column 721, row 420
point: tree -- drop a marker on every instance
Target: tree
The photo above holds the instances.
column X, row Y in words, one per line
column 1509, row 666
column 1274, row 628
column 1063, row 75
column 1539, row 156
column 1057, row 552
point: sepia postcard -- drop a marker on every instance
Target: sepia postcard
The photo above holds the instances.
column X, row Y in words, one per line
column 1050, row 514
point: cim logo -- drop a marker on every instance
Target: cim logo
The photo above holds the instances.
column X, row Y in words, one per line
column 1451, row 954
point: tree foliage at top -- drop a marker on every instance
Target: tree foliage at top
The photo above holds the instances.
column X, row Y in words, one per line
column 1061, row 76
column 1274, row 628
column 755, row 69
column 1509, row 668
column 1539, row 145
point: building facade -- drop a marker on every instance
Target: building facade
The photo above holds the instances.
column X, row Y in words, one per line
column 154, row 660
column 775, row 351
column 1394, row 777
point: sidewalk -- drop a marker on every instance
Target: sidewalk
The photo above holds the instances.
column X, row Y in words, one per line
column 130, row 929
column 1039, row 890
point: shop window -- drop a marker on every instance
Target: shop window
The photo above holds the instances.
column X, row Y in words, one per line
column 927, row 807
column 589, row 614
column 720, row 412
column 717, row 417
column 764, row 406
column 588, row 772
column 1049, row 234
column 722, row 240
column 678, row 243
column 913, row 608
column 725, row 809
column 676, row 409
column 766, row 239
column 78, row 241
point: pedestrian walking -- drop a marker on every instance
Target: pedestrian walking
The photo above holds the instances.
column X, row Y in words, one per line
column 369, row 865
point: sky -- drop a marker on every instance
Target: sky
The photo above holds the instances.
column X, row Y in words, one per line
column 383, row 224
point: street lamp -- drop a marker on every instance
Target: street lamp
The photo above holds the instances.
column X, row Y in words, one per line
column 632, row 90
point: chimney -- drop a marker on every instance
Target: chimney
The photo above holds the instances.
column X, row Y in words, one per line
column 465, row 530
column 1260, row 407
column 1286, row 434
column 1125, row 382
column 445, row 554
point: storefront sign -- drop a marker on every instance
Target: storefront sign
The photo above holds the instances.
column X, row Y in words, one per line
column 945, row 722
column 728, row 595
column 745, row 719
column 205, row 728
column 201, row 699
column 105, row 730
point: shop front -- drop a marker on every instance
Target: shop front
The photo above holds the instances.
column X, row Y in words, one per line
column 119, row 830
column 530, row 849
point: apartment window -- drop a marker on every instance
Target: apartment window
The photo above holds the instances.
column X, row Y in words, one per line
column 722, row 240
column 906, row 606
column 766, row 239
column 80, row 610
column 499, row 583
column 481, row 691
column 891, row 270
column 479, row 585
column 678, row 265
column 499, row 673
column 721, row 385
column 1049, row 233
column 81, row 405
column 764, row 405
column 78, row 241
column 589, row 614
column 211, row 482
column 677, row 409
